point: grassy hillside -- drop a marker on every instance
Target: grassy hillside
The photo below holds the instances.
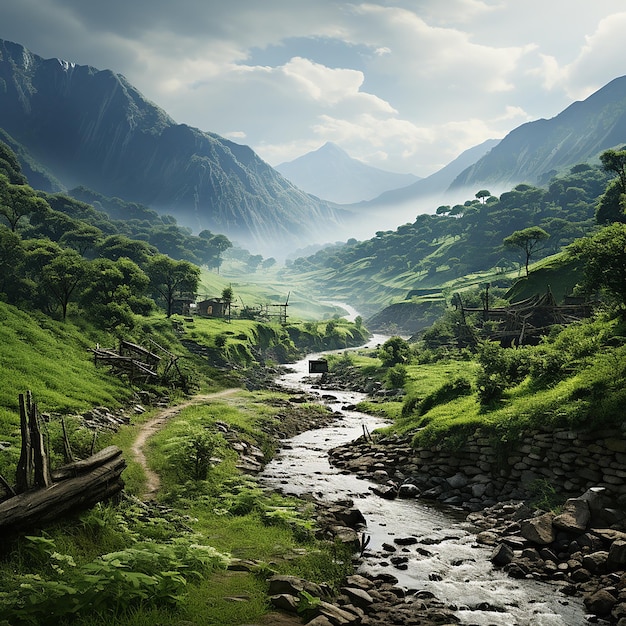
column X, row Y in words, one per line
column 455, row 246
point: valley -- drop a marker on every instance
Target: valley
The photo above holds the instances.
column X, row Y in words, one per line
column 462, row 459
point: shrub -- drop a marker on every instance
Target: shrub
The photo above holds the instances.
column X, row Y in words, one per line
column 394, row 350
column 501, row 368
column 396, row 376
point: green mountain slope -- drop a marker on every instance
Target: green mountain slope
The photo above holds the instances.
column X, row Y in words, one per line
column 535, row 150
column 93, row 128
column 458, row 246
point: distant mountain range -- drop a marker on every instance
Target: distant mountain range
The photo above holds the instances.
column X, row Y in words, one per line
column 83, row 126
column 74, row 125
column 432, row 187
column 331, row 173
column 535, row 151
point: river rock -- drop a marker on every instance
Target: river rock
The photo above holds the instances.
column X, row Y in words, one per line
column 385, row 491
column 285, row 602
column 617, row 554
column 458, row 481
column 408, row 490
column 539, row 529
column 600, row 603
column 292, row 585
column 502, row 555
column 575, row 515
column 358, row 597
column 336, row 615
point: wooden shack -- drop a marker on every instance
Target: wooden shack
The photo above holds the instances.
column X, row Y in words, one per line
column 212, row 307
column 526, row 321
column 318, row 366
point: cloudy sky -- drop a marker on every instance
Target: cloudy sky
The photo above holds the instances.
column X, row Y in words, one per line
column 405, row 85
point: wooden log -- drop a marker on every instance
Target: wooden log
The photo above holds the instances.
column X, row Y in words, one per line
column 41, row 506
column 67, row 448
column 40, row 458
column 77, row 468
column 23, row 475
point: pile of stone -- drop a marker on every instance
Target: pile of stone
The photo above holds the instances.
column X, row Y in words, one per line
column 399, row 470
column 582, row 549
column 373, row 600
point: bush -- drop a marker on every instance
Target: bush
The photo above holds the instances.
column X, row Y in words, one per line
column 501, row 368
column 394, row 350
column 396, row 377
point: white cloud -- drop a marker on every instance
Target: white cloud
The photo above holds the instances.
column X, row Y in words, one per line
column 406, row 85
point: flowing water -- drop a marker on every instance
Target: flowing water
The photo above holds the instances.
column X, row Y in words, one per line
column 445, row 560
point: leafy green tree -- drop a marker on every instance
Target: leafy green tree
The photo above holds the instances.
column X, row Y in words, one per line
column 114, row 291
column 51, row 224
column 395, row 350
column 171, row 279
column 117, row 246
column 12, row 256
column 612, row 205
column 528, row 240
column 82, row 239
column 216, row 245
column 17, row 202
column 253, row 262
column 62, row 276
column 604, row 255
column 10, row 166
column 482, row 195
column 615, row 161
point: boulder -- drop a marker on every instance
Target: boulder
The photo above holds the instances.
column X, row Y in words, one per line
column 408, row 490
column 575, row 515
column 458, row 481
column 285, row 602
column 539, row 530
column 617, row 554
column 600, row 603
column 358, row 597
column 502, row 555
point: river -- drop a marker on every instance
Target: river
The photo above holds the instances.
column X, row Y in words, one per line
column 446, row 560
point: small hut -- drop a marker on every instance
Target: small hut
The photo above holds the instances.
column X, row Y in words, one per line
column 212, row 307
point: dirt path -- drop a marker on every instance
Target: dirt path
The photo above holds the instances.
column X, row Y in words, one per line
column 154, row 425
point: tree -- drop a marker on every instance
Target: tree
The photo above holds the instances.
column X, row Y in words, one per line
column 117, row 246
column 171, row 279
column 18, row 202
column 82, row 238
column 528, row 241
column 482, row 195
column 228, row 295
column 394, row 350
column 253, row 262
column 11, row 258
column 218, row 245
column 604, row 255
column 62, row 276
column 612, row 205
column 615, row 161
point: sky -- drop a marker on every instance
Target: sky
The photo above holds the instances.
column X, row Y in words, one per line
column 403, row 85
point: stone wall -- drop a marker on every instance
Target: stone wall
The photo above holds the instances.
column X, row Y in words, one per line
column 480, row 472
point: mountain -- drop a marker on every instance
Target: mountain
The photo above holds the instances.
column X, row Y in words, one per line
column 92, row 128
column 436, row 184
column 331, row 173
column 534, row 151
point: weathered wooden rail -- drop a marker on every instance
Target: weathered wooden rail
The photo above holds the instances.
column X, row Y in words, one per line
column 41, row 495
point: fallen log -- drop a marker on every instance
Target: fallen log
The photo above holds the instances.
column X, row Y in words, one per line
column 94, row 482
column 77, row 468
